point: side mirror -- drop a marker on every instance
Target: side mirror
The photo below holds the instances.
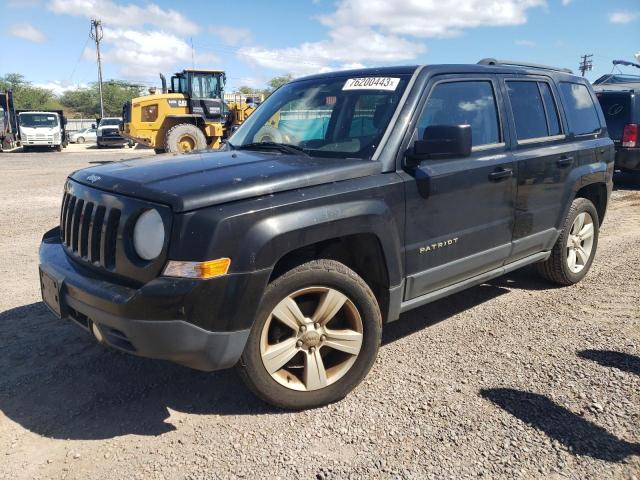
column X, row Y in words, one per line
column 443, row 141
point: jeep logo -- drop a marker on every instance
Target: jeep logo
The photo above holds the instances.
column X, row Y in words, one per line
column 93, row 178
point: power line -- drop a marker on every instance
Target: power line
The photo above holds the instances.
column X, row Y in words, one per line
column 96, row 34
column 586, row 64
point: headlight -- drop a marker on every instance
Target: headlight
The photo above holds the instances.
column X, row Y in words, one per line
column 148, row 235
column 149, row 113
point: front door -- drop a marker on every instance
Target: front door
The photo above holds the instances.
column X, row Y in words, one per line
column 205, row 96
column 460, row 210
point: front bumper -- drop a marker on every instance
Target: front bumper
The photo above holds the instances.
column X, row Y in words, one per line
column 111, row 141
column 154, row 320
column 628, row 159
column 41, row 143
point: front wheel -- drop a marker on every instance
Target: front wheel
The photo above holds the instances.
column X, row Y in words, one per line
column 184, row 138
column 315, row 338
column 572, row 255
column 80, row 140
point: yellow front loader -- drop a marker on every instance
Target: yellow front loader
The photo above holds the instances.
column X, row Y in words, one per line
column 190, row 114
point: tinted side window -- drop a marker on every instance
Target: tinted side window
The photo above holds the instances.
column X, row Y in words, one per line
column 552, row 111
column 528, row 110
column 581, row 111
column 463, row 103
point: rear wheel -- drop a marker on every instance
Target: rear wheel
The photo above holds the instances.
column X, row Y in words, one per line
column 80, row 140
column 315, row 338
column 185, row 138
column 572, row 255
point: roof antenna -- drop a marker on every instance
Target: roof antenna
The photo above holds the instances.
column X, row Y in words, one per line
column 193, row 56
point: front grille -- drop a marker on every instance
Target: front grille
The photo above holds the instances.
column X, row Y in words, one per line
column 96, row 229
column 89, row 230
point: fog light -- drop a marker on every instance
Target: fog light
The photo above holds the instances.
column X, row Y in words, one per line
column 208, row 269
column 97, row 333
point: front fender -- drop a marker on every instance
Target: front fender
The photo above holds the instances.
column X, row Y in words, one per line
column 269, row 239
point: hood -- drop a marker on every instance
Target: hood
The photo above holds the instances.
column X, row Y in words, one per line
column 196, row 180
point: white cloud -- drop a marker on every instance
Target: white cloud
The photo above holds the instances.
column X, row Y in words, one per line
column 58, row 87
column 430, row 18
column 141, row 55
column 231, row 35
column 566, row 2
column 27, row 32
column 380, row 31
column 525, row 43
column 140, row 40
column 624, row 16
column 126, row 16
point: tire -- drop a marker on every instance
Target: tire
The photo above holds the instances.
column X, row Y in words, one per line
column 557, row 268
column 310, row 284
column 268, row 133
column 80, row 140
column 184, row 138
column 58, row 148
column 159, row 150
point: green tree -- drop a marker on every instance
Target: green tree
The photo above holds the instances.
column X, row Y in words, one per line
column 86, row 101
column 277, row 82
column 26, row 96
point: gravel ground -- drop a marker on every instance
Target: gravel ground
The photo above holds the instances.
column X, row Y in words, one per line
column 512, row 379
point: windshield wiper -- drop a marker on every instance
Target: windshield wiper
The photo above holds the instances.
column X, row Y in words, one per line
column 283, row 147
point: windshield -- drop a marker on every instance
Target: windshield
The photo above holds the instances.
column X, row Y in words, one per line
column 36, row 120
column 330, row 117
column 109, row 121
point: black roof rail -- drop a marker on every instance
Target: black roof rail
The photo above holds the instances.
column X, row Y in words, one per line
column 514, row 63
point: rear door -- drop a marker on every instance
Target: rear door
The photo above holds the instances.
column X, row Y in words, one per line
column 543, row 159
column 459, row 210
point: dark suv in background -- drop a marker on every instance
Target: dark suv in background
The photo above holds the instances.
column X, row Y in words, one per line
column 621, row 108
column 379, row 190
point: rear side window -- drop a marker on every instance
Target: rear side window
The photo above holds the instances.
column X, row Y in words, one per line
column 581, row 111
column 553, row 119
column 617, row 112
column 463, row 103
column 528, row 110
column 534, row 111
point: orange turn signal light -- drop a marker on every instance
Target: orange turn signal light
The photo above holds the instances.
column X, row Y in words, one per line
column 202, row 270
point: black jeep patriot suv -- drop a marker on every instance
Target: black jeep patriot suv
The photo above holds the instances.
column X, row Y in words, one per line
column 346, row 199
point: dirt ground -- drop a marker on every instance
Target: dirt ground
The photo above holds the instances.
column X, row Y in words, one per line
column 511, row 379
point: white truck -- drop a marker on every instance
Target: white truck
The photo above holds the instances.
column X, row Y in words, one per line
column 42, row 129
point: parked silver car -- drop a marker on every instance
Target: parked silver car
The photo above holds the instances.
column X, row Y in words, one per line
column 86, row 135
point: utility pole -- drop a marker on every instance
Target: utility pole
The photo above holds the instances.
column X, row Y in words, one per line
column 96, row 35
column 586, row 64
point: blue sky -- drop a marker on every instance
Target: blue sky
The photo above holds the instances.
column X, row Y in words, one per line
column 47, row 40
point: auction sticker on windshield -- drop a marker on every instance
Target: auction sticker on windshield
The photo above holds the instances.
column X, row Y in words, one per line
column 372, row 83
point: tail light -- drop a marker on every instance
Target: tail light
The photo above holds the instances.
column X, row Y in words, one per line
column 630, row 135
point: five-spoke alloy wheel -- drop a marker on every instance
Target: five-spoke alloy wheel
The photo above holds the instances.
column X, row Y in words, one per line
column 573, row 253
column 316, row 336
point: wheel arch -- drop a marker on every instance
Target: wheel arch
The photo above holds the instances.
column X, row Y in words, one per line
column 366, row 227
